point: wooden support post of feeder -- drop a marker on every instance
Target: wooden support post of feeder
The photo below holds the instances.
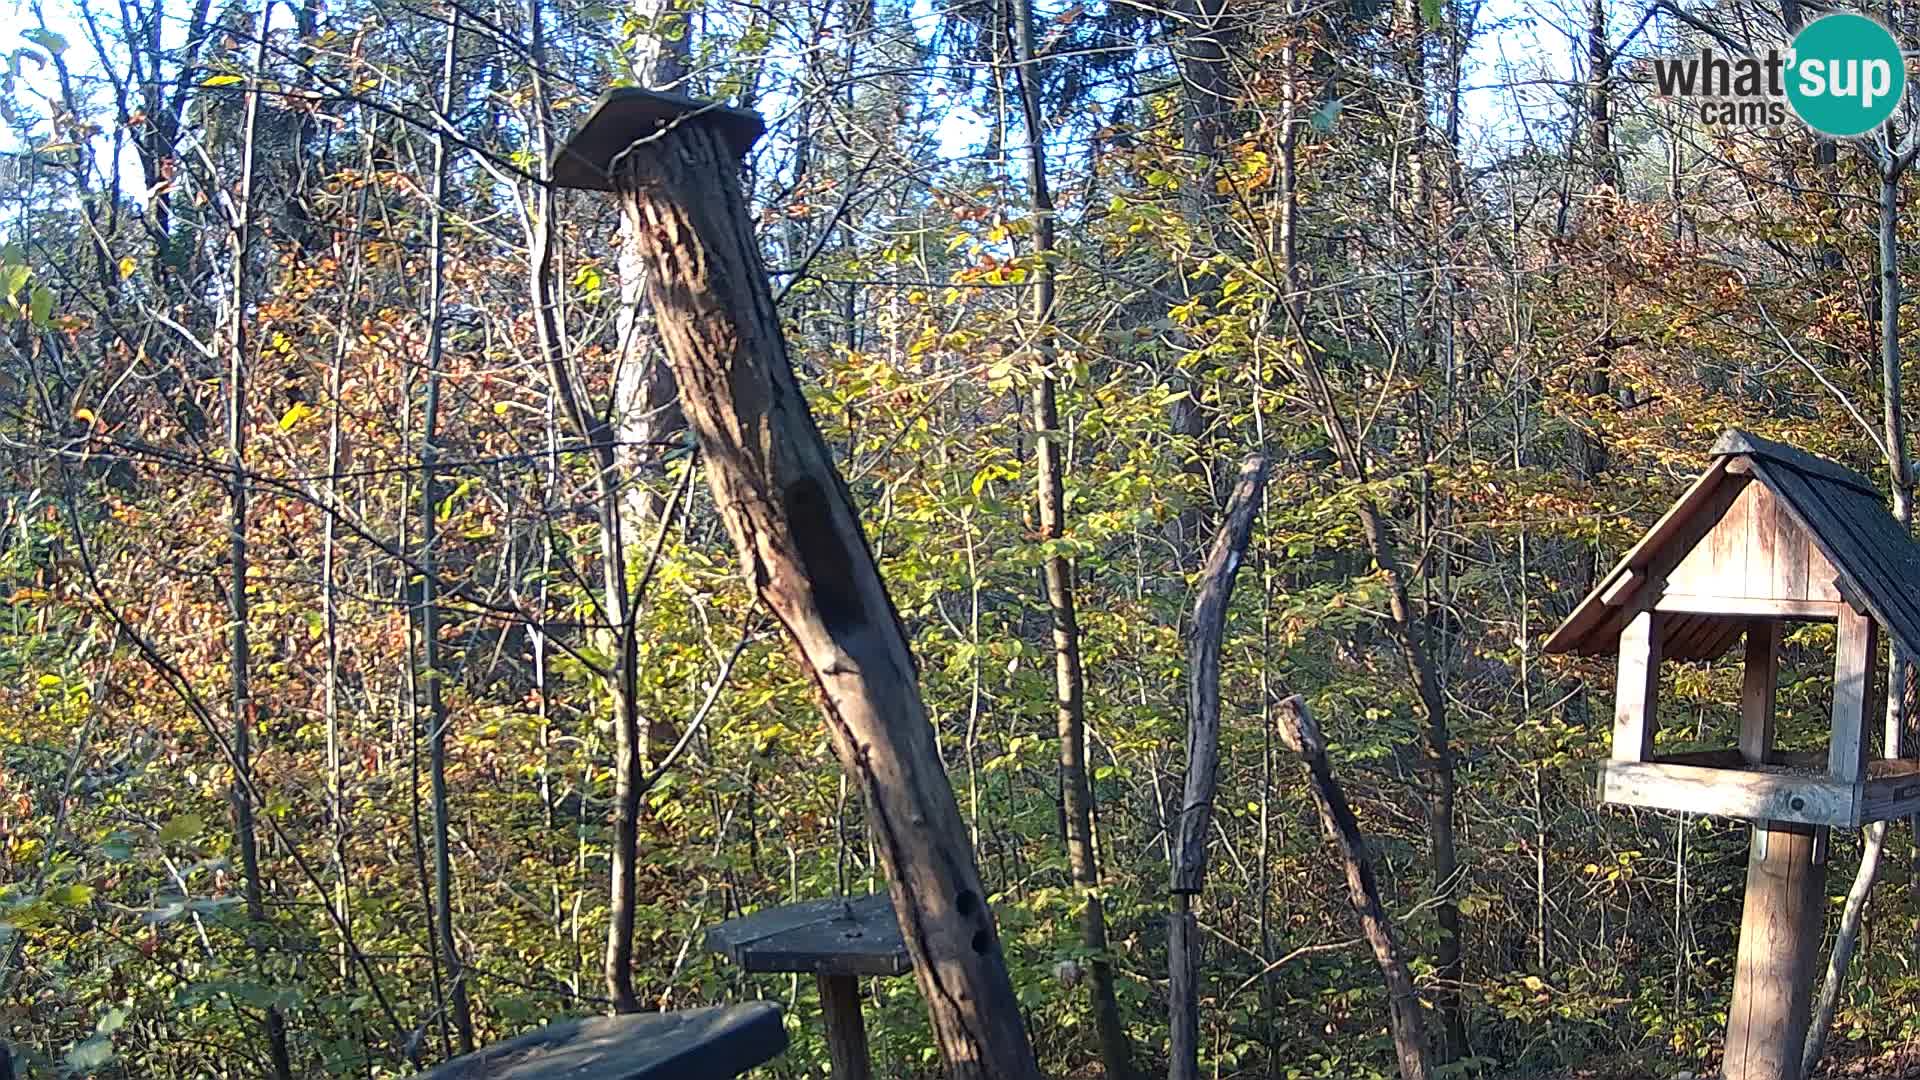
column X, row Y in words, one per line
column 674, row 164
column 838, row 941
column 1766, row 536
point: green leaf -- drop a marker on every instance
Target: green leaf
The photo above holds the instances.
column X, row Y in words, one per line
column 181, row 827
column 90, row 1054
column 40, row 306
column 1431, row 12
column 1323, row 118
column 46, row 39
column 69, row 895
column 110, row 1021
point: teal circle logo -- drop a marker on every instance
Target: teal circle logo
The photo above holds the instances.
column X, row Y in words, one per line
column 1846, row 76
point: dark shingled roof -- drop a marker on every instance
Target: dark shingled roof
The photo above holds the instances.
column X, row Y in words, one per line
column 1843, row 513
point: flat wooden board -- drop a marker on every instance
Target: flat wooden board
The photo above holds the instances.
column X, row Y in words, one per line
column 856, row 935
column 1758, row 792
column 691, row 1044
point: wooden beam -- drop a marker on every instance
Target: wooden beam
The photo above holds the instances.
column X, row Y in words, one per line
column 1806, row 798
column 1758, row 680
column 1892, row 790
column 1857, row 637
column 1749, row 607
column 1637, row 688
column 1623, row 587
column 1779, row 944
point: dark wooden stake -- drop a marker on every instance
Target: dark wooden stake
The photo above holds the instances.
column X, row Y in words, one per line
column 805, row 555
column 1203, row 763
column 846, row 1027
column 1302, row 735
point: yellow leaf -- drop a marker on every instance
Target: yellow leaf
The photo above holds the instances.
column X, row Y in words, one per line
column 85, row 414
column 127, row 266
column 300, row 411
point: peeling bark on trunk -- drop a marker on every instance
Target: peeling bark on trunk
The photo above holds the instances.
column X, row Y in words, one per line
column 805, row 554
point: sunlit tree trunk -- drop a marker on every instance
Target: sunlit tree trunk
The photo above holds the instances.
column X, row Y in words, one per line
column 1116, row 1051
column 616, row 601
column 433, row 674
column 241, row 238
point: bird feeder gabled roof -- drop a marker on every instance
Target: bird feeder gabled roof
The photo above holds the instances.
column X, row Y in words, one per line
column 1776, row 511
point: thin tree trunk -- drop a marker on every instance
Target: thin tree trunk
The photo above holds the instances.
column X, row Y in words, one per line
column 1899, row 471
column 1204, row 643
column 804, row 553
column 432, row 674
column 646, row 401
column 241, row 238
column 617, row 602
column 1116, row 1051
column 1404, row 627
column 1302, row 735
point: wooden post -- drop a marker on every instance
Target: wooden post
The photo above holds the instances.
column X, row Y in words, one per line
column 1302, row 735
column 1780, row 931
column 1637, row 688
column 1759, row 680
column 846, row 1027
column 1184, row 954
column 1203, row 762
column 805, row 554
column 1786, row 872
column 1856, row 641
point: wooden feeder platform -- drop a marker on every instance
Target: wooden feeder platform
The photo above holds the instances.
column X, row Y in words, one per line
column 837, row 941
column 629, row 115
column 1795, row 788
column 718, row 1042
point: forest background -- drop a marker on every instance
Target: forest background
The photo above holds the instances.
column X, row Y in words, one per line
column 369, row 649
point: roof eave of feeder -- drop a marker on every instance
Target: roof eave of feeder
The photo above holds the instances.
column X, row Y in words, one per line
column 628, row 115
column 1842, row 511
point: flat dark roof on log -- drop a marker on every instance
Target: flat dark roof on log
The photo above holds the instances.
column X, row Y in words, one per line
column 628, row 115
column 854, row 935
column 1876, row 560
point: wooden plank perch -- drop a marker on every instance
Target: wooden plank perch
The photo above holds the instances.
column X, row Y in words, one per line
column 1302, row 735
column 1203, row 762
column 805, row 555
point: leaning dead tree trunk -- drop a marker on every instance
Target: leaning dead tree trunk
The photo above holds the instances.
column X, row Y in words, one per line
column 1203, row 762
column 1302, row 735
column 803, row 550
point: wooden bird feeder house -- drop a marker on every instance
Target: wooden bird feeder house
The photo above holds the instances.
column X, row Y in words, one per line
column 1768, row 535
